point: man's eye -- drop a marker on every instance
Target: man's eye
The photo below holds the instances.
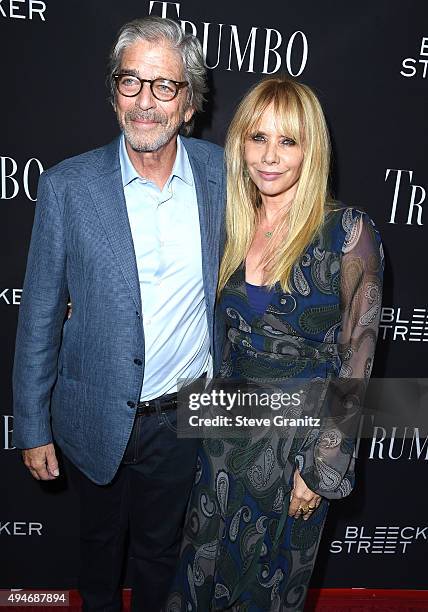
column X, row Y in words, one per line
column 128, row 81
column 164, row 87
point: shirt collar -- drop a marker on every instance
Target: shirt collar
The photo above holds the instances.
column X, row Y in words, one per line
column 128, row 171
column 181, row 168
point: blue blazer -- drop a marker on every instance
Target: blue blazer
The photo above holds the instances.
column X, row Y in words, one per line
column 75, row 380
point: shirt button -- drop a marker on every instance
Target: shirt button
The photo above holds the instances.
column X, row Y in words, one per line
column 162, row 243
column 130, row 404
column 138, row 362
column 137, row 313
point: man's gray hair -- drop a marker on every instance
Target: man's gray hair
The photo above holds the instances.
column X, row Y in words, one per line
column 156, row 29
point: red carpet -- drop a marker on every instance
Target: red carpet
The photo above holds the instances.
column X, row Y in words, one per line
column 366, row 600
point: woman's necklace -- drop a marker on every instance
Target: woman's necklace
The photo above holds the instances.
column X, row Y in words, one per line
column 270, row 232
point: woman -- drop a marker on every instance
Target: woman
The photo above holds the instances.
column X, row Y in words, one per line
column 300, row 292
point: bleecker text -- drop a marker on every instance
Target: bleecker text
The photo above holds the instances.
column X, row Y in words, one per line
column 19, row 528
column 417, row 66
column 23, row 9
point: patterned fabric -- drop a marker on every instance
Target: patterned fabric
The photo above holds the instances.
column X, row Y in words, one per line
column 241, row 551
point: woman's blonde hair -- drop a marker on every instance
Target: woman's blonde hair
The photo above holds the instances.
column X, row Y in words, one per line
column 299, row 116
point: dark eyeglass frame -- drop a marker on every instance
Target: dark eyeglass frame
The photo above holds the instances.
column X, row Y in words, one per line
column 179, row 85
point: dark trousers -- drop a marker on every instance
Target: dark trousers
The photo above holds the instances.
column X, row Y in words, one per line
column 146, row 502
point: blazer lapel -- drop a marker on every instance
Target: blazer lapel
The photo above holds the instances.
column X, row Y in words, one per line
column 109, row 199
column 206, row 186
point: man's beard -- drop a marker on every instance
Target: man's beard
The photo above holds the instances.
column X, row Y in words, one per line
column 145, row 143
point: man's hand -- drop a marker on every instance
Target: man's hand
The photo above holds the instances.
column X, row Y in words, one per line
column 42, row 462
column 303, row 501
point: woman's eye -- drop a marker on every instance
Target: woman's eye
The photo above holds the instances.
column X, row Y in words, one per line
column 288, row 141
column 258, row 137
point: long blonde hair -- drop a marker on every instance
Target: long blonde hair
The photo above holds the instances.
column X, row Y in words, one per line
column 299, row 116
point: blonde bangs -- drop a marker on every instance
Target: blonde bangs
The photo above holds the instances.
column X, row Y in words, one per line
column 288, row 110
column 287, row 107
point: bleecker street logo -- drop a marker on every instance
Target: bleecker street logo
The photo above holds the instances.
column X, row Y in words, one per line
column 417, row 67
column 11, row 297
column 23, row 9
column 411, row 327
column 252, row 49
column 20, row 528
column 381, row 540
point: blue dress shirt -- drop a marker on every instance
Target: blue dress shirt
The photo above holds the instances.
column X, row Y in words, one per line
column 167, row 242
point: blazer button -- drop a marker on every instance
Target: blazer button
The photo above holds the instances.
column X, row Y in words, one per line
column 130, row 404
column 138, row 362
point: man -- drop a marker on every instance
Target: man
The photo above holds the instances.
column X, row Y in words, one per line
column 130, row 233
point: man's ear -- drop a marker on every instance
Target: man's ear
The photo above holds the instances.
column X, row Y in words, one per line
column 189, row 114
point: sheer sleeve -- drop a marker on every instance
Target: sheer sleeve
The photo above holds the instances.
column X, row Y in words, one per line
column 360, row 298
column 330, row 469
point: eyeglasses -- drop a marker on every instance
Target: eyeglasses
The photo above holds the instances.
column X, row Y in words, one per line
column 162, row 89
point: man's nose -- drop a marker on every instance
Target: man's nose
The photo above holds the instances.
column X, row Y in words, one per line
column 145, row 99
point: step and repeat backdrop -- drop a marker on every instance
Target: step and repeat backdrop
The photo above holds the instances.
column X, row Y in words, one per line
column 368, row 62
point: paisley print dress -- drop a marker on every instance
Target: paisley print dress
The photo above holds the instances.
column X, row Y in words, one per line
column 241, row 551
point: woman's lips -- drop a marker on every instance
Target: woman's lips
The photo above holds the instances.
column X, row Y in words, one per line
column 269, row 176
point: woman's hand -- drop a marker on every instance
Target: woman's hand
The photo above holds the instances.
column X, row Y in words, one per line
column 303, row 501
